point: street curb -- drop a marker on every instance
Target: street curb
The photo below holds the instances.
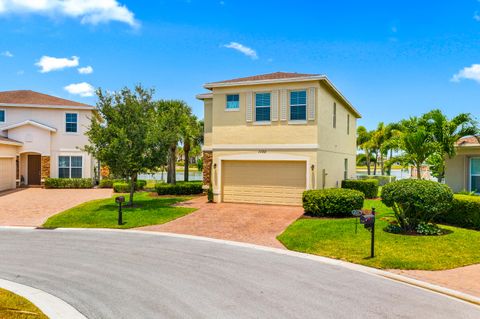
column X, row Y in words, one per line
column 51, row 306
column 460, row 296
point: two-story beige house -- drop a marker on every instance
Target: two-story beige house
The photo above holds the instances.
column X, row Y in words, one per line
column 270, row 137
column 462, row 172
column 42, row 136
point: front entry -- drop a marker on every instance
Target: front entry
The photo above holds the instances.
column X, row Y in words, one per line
column 34, row 169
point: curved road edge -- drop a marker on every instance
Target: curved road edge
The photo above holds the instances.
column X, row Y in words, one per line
column 53, row 307
column 364, row 269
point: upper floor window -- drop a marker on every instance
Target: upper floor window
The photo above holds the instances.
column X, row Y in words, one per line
column 298, row 105
column 334, row 115
column 262, row 107
column 71, row 122
column 2, row 116
column 233, row 102
column 348, row 124
column 70, row 167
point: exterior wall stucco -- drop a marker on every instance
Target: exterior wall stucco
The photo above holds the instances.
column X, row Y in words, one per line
column 457, row 172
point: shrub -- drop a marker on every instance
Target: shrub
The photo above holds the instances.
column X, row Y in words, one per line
column 200, row 164
column 464, row 212
column 428, row 229
column 210, row 194
column 68, row 183
column 141, row 183
column 121, row 187
column 180, row 188
column 332, row 202
column 416, row 201
column 108, row 183
column 382, row 179
column 367, row 186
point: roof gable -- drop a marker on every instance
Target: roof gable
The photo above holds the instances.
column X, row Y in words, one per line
column 31, row 98
column 29, row 122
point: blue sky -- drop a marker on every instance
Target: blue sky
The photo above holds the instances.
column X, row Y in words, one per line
column 391, row 59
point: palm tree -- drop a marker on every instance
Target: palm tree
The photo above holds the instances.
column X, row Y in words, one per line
column 365, row 144
column 446, row 133
column 192, row 135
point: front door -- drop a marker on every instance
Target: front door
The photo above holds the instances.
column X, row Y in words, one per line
column 34, row 170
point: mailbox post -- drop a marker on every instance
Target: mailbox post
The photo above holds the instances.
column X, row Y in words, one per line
column 368, row 222
column 119, row 200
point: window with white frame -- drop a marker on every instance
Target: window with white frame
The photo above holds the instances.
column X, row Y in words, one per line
column 70, row 167
column 262, row 107
column 298, row 105
column 2, row 116
column 233, row 102
column 71, row 122
column 475, row 175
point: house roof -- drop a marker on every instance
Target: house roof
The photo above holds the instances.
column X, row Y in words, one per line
column 9, row 141
column 204, row 96
column 28, row 98
column 29, row 122
column 280, row 77
column 469, row 141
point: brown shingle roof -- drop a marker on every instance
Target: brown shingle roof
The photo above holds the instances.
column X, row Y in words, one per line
column 468, row 140
column 35, row 98
column 269, row 76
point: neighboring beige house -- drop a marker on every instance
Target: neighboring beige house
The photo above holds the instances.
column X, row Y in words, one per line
column 40, row 137
column 463, row 171
column 270, row 137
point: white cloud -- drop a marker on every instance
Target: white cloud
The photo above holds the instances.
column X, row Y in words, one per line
column 85, row 70
column 469, row 73
column 8, row 54
column 476, row 16
column 243, row 49
column 88, row 11
column 48, row 63
column 83, row 89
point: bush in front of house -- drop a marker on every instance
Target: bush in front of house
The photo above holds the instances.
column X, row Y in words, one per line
column 464, row 212
column 416, row 202
column 110, row 183
column 336, row 202
column 180, row 188
column 367, row 186
column 382, row 179
column 68, row 183
column 121, row 187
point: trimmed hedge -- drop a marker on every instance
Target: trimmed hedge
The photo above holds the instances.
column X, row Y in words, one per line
column 108, row 183
column 464, row 212
column 367, row 186
column 68, row 183
column 124, row 187
column 416, row 201
column 180, row 188
column 382, row 179
column 339, row 202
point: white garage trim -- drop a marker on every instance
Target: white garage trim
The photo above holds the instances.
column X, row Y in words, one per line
column 260, row 157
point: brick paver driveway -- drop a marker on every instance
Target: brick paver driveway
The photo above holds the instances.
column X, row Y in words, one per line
column 257, row 224
column 32, row 206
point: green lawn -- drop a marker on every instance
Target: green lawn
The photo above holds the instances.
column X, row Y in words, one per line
column 13, row 306
column 103, row 213
column 336, row 238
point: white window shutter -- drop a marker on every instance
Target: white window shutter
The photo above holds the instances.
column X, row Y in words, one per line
column 249, row 112
column 283, row 105
column 274, row 106
column 311, row 104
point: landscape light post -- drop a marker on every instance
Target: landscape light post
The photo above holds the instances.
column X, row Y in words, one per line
column 119, row 200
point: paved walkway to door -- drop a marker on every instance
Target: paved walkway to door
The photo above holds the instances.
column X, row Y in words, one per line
column 257, row 224
column 33, row 206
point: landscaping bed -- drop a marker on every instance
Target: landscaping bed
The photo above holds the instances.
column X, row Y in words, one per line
column 103, row 213
column 336, row 238
column 13, row 306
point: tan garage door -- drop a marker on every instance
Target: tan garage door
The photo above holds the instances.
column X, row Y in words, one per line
column 264, row 182
column 7, row 173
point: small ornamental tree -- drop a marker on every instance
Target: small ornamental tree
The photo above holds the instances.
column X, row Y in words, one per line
column 127, row 135
column 416, row 201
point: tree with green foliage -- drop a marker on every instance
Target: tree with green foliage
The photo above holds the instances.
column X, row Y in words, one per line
column 446, row 132
column 191, row 137
column 364, row 142
column 126, row 135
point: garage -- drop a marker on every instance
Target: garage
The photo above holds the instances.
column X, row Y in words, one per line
column 7, row 173
column 263, row 182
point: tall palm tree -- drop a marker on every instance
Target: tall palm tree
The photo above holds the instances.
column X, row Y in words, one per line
column 364, row 143
column 446, row 133
column 192, row 135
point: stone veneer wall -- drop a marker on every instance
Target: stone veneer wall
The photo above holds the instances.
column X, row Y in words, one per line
column 207, row 168
column 45, row 167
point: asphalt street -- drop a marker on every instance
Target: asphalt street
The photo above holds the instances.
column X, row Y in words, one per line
column 107, row 274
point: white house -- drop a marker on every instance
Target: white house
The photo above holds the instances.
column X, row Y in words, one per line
column 42, row 136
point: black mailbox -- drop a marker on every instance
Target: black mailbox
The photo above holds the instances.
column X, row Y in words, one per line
column 367, row 220
column 120, row 199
